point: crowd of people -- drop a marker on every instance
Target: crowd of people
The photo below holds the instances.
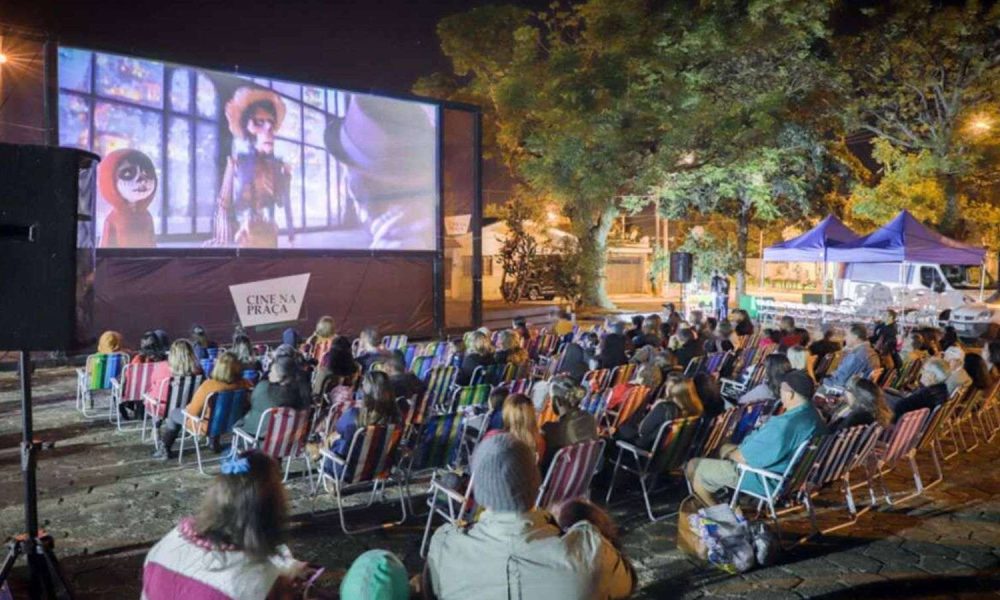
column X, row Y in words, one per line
column 822, row 382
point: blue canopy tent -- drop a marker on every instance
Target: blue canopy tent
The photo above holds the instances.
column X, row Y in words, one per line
column 812, row 246
column 905, row 240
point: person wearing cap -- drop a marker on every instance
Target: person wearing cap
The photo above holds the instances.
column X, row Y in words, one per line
column 859, row 357
column 770, row 448
column 515, row 550
column 933, row 390
column 376, row 575
column 957, row 375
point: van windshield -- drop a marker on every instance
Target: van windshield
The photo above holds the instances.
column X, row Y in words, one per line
column 963, row 277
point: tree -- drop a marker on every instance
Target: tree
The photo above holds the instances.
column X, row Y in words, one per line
column 917, row 75
column 576, row 110
column 713, row 254
column 518, row 251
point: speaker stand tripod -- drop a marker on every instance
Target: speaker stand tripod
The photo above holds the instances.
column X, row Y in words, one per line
column 46, row 578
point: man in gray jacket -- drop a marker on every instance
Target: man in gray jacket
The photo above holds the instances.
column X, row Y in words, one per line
column 515, row 550
column 859, row 357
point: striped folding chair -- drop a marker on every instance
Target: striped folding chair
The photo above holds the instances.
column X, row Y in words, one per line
column 673, row 446
column 621, row 374
column 175, row 392
column 596, row 379
column 217, row 418
column 965, row 403
column 437, row 443
column 207, row 364
column 694, row 366
column 450, row 504
column 570, row 473
column 714, row 434
column 411, row 352
column 470, row 396
column 281, row 434
column 596, row 403
column 370, row 463
column 637, row 397
column 779, row 487
column 519, row 386
column 439, row 385
column 96, row 376
column 421, row 366
column 394, row 342
column 134, row 382
column 838, row 455
column 901, row 443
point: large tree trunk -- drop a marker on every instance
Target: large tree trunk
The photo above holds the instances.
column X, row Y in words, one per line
column 593, row 258
column 742, row 236
column 951, row 220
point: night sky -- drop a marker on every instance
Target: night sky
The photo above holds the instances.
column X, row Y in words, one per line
column 378, row 45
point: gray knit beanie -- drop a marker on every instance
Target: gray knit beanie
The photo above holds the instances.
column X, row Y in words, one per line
column 505, row 475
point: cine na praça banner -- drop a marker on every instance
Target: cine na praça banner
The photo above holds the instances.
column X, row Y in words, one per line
column 193, row 158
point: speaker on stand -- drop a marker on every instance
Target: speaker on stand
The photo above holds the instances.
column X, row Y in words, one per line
column 47, row 197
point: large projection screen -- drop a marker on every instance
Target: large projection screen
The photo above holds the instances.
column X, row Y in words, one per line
column 195, row 158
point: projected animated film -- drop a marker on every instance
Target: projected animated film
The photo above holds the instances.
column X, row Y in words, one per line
column 193, row 158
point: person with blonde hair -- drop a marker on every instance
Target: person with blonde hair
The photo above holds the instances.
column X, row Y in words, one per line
column 478, row 353
column 680, row 400
column 573, row 424
column 109, row 343
column 181, row 362
column 510, row 350
column 321, row 338
column 369, row 348
column 227, row 375
column 521, row 421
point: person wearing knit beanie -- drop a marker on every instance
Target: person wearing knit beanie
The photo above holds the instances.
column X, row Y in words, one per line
column 506, row 475
column 376, row 575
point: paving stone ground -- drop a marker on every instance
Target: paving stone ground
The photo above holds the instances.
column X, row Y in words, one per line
column 106, row 503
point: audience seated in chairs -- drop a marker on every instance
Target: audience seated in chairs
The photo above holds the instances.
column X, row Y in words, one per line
column 933, row 390
column 181, row 362
column 680, row 400
column 150, row 349
column 721, row 339
column 863, row 403
column 279, row 390
column 378, row 407
column 948, row 339
column 771, row 447
column 687, row 348
column 521, row 327
column 243, row 349
column 369, row 350
column 519, row 420
column 636, row 329
column 326, row 330
column 227, row 374
column 572, row 425
column 509, row 349
column 859, row 357
column 563, row 326
column 611, row 348
column 479, row 353
column 475, row 562
column 404, row 384
column 110, row 342
column 233, row 547
column 337, row 367
column 650, row 335
column 200, row 342
column 825, row 345
column 884, row 342
column 775, row 367
column 914, row 348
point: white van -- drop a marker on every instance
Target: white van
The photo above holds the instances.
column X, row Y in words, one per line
column 918, row 286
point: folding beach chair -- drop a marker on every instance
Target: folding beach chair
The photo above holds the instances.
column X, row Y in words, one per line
column 281, row 434
column 96, row 376
column 175, row 392
column 130, row 387
column 218, row 416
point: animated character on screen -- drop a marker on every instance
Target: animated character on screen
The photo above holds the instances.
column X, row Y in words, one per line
column 255, row 181
column 389, row 149
column 127, row 181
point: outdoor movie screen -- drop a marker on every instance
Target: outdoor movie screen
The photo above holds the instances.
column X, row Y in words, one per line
column 193, row 158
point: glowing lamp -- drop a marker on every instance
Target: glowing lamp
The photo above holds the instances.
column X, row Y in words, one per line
column 3, row 58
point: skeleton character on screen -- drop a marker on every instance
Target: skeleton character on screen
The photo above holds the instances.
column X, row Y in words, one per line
column 127, row 181
column 389, row 150
column 256, row 182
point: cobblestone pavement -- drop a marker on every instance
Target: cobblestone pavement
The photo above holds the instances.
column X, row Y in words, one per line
column 105, row 503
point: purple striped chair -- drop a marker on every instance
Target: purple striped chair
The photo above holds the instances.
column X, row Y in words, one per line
column 284, row 438
column 900, row 444
column 370, row 463
column 570, row 473
column 129, row 387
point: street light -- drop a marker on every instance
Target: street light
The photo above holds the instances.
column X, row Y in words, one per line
column 980, row 124
column 3, row 58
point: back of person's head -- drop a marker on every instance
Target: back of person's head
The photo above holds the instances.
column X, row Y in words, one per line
column 376, row 575
column 285, row 350
column 590, row 339
column 291, row 337
column 859, row 331
column 479, row 343
column 725, row 328
column 149, row 345
column 618, row 328
column 519, row 419
column 637, row 320
column 380, row 406
column 868, row 396
column 198, row 336
column 775, row 367
column 649, row 327
column 368, row 339
column 685, row 396
column 917, row 341
column 497, row 396
column 326, row 327
column 564, row 314
column 800, row 383
column 245, row 507
column 684, row 335
column 282, row 370
column 709, row 393
column 573, row 511
column 936, row 370
column 520, row 322
column 243, row 349
column 506, row 474
column 798, row 357
column 976, row 367
column 228, row 368
column 565, row 393
column 507, row 340
column 110, row 341
column 711, row 323
column 394, row 365
column 993, row 353
column 774, row 335
column 787, row 322
column 181, row 359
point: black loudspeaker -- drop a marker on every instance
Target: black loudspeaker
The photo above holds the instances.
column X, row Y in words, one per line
column 681, row 265
column 47, row 197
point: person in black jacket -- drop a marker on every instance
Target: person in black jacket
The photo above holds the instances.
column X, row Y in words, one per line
column 741, row 322
column 884, row 338
column 478, row 354
column 933, row 390
column 611, row 351
column 688, row 348
column 864, row 403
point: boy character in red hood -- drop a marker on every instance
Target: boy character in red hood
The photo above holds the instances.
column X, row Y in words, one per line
column 127, row 181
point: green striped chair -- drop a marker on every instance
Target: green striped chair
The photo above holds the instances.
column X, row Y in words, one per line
column 471, row 396
column 96, row 376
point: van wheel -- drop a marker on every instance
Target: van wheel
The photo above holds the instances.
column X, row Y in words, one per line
column 534, row 294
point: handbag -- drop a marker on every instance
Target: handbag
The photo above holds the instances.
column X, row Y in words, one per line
column 719, row 535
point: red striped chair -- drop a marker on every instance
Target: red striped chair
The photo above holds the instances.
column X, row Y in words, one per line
column 621, row 374
column 714, row 434
column 596, row 379
column 95, row 376
column 614, row 418
column 673, row 446
column 570, row 473
column 130, row 387
column 370, row 464
column 900, row 444
column 284, row 438
column 175, row 392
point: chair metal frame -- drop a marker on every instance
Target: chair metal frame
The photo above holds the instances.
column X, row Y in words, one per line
column 84, row 376
column 290, row 448
column 210, row 418
column 126, row 385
